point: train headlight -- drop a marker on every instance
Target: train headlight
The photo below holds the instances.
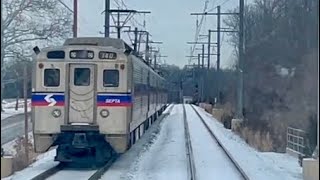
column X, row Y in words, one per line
column 104, row 113
column 56, row 113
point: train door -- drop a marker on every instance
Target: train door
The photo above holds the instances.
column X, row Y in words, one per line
column 82, row 87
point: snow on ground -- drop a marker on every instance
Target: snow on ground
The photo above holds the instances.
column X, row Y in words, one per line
column 72, row 174
column 44, row 162
column 11, row 112
column 257, row 165
column 166, row 158
column 159, row 154
column 9, row 147
column 9, row 108
column 210, row 160
column 119, row 169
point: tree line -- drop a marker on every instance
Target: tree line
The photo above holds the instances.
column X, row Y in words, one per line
column 280, row 67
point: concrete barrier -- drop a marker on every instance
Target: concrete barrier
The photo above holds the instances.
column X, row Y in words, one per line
column 236, row 124
column 217, row 113
column 202, row 105
column 206, row 107
column 310, row 169
column 6, row 166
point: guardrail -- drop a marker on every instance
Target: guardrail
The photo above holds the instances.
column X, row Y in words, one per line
column 295, row 142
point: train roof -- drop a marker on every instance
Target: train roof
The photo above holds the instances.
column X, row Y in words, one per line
column 99, row 41
column 102, row 41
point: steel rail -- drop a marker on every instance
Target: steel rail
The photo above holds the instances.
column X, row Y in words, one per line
column 234, row 162
column 191, row 163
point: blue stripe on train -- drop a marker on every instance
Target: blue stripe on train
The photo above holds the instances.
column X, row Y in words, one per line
column 108, row 98
column 41, row 97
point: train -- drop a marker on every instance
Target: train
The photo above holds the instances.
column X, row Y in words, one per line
column 93, row 97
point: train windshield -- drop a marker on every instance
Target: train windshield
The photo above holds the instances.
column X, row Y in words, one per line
column 52, row 77
column 82, row 76
column 110, row 78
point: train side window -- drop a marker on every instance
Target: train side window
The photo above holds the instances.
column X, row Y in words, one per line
column 51, row 77
column 110, row 78
column 81, row 76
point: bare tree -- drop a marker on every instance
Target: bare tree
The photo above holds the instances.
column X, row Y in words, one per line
column 280, row 61
column 27, row 22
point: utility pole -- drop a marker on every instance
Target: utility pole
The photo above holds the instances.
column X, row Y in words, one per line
column 136, row 45
column 135, row 39
column 202, row 75
column 240, row 63
column 155, row 60
column 218, row 40
column 209, row 46
column 202, row 56
column 2, row 53
column 75, row 18
column 198, row 76
column 198, row 61
column 25, row 94
column 160, row 56
column 156, row 54
column 208, row 65
column 203, row 43
column 107, row 19
column 118, row 25
column 147, row 49
column 218, row 54
column 200, row 70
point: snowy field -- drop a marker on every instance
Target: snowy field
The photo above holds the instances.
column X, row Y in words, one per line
column 161, row 154
column 9, row 107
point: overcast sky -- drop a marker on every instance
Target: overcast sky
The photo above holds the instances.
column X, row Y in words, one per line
column 170, row 22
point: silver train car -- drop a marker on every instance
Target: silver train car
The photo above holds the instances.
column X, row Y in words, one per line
column 93, row 97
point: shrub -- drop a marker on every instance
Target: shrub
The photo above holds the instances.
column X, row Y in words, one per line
column 19, row 159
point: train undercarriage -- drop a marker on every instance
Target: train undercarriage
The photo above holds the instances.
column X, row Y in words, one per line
column 83, row 148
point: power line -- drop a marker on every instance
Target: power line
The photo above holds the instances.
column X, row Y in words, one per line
column 199, row 26
column 65, row 6
column 133, row 20
column 80, row 17
column 219, row 5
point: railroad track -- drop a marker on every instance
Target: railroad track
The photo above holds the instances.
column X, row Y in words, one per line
column 191, row 164
column 237, row 166
column 60, row 167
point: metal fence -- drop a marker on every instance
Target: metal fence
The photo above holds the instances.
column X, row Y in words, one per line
column 295, row 141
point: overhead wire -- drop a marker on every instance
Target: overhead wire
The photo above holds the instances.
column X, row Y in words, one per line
column 198, row 30
column 72, row 11
column 199, row 26
column 220, row 4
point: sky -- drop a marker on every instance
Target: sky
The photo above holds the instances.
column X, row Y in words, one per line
column 169, row 22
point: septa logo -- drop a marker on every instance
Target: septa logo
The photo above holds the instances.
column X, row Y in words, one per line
column 112, row 100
